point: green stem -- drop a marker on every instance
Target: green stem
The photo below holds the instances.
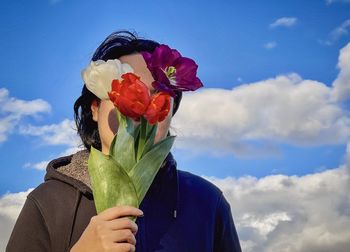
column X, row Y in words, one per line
column 142, row 138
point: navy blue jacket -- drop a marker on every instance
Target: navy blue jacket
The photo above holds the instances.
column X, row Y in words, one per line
column 183, row 212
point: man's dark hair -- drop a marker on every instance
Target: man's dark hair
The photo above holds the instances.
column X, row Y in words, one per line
column 114, row 46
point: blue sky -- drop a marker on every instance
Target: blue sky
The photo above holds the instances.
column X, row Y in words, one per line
column 46, row 44
column 271, row 123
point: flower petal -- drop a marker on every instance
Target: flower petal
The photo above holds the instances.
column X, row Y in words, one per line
column 164, row 88
column 158, row 108
column 98, row 76
column 185, row 69
column 162, row 57
column 168, row 80
column 130, row 96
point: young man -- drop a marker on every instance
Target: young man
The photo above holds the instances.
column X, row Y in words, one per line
column 181, row 211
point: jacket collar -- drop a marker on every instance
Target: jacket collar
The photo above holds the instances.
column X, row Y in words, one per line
column 73, row 170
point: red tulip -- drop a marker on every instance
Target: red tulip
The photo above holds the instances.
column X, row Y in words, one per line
column 158, row 108
column 130, row 96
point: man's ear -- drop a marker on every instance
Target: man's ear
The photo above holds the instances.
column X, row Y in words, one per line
column 94, row 110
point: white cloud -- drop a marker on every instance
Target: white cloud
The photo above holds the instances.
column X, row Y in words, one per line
column 12, row 110
column 71, row 150
column 270, row 45
column 337, row 33
column 284, row 109
column 38, row 166
column 284, row 22
column 11, row 203
column 341, row 85
column 10, row 207
column 264, row 224
column 291, row 213
column 337, row 1
column 63, row 133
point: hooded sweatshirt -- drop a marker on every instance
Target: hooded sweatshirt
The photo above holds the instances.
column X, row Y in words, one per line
column 182, row 211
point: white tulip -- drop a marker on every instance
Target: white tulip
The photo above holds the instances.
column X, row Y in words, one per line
column 98, row 76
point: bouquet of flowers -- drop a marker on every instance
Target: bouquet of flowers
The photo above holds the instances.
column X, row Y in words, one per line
column 124, row 176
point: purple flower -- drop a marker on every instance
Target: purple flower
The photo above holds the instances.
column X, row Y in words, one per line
column 171, row 71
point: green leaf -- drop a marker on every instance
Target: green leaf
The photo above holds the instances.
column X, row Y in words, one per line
column 149, row 127
column 111, row 148
column 122, row 148
column 150, row 139
column 143, row 173
column 111, row 185
column 146, row 137
column 141, row 140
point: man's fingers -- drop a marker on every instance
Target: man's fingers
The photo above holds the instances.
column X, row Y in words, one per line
column 125, row 247
column 122, row 223
column 120, row 236
column 119, row 211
